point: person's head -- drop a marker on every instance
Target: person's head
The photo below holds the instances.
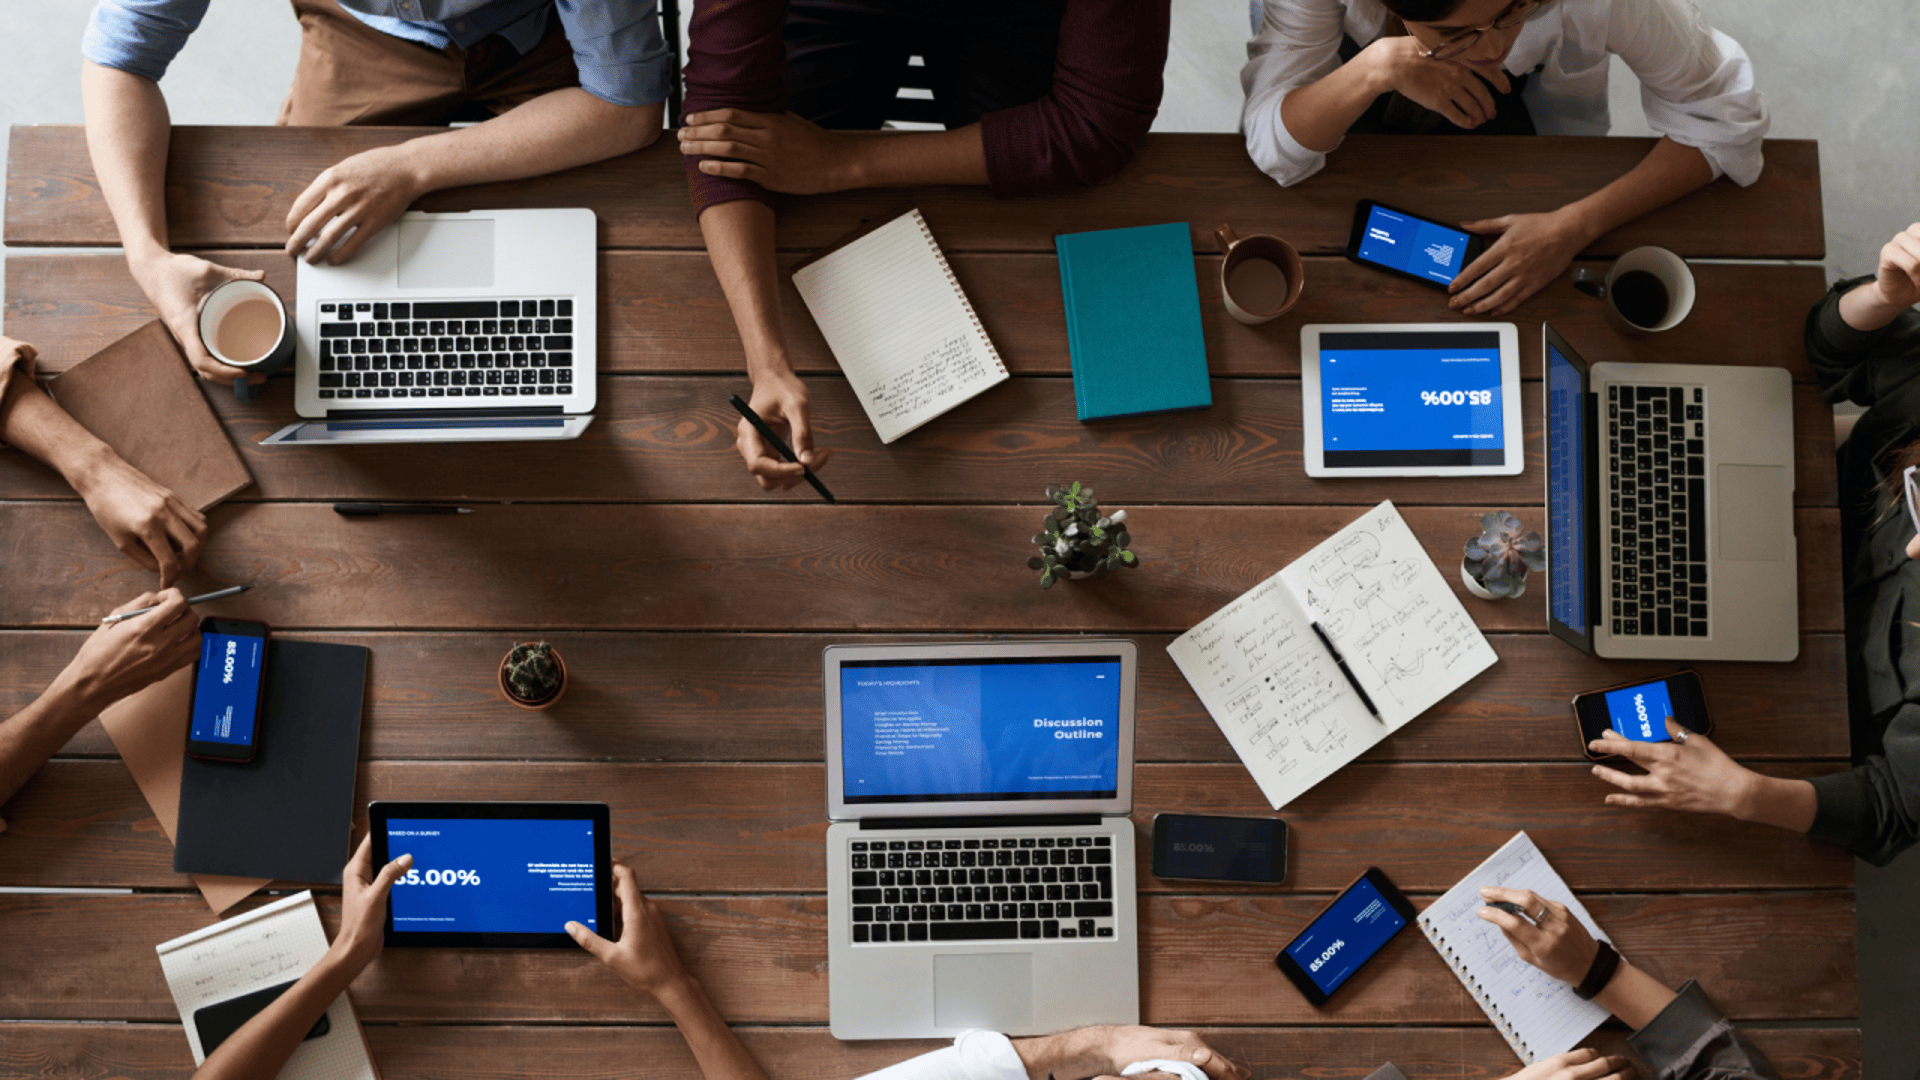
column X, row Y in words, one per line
column 1447, row 27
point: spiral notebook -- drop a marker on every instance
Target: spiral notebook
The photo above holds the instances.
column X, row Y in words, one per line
column 1537, row 1014
column 898, row 322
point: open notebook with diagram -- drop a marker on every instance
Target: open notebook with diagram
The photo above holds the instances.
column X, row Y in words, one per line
column 1278, row 692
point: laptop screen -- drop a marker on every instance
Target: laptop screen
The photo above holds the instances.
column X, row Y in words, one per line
column 1566, row 490
column 980, row 730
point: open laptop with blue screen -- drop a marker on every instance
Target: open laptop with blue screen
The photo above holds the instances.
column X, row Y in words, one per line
column 980, row 867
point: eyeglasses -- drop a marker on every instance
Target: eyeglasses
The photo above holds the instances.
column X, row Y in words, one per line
column 1460, row 41
column 1913, row 496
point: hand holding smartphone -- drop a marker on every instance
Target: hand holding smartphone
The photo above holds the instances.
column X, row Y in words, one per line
column 1410, row 246
column 1639, row 711
column 229, row 684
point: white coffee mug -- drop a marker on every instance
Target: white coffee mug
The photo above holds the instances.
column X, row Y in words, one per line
column 251, row 340
column 1646, row 290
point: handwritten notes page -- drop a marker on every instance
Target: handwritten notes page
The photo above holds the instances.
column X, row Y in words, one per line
column 265, row 947
column 1538, row 1014
column 904, row 333
column 1275, row 691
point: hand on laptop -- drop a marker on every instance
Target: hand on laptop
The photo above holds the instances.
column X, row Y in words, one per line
column 781, row 400
column 143, row 519
column 365, row 193
column 1106, row 1050
column 177, row 284
column 1533, row 249
column 643, row 956
column 1699, row 777
column 363, row 907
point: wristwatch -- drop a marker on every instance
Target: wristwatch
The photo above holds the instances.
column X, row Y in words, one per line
column 1605, row 963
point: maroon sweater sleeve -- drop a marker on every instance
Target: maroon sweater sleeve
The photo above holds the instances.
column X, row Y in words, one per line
column 1106, row 90
column 736, row 58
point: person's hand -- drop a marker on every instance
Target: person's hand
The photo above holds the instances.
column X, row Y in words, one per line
column 1104, row 1050
column 1533, row 249
column 1696, row 776
column 363, row 904
column 1554, row 941
column 1898, row 282
column 27, row 353
column 782, row 402
column 778, row 151
column 177, row 284
column 643, row 957
column 120, row 658
column 1455, row 90
column 1585, row 1063
column 143, row 519
column 350, row 203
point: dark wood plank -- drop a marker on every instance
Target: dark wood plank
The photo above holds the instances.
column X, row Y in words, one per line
column 158, row 1051
column 793, row 567
column 231, row 187
column 758, row 827
column 671, row 440
column 693, row 693
column 662, row 311
column 764, row 959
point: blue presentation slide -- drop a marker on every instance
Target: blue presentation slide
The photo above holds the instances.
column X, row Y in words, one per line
column 493, row 875
column 1567, row 492
column 226, row 690
column 1640, row 712
column 1418, row 398
column 1352, row 930
column 969, row 730
column 1417, row 247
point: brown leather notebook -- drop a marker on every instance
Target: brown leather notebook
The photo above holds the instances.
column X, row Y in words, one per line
column 141, row 398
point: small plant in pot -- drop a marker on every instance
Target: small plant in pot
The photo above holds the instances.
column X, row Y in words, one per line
column 1496, row 562
column 532, row 675
column 1076, row 540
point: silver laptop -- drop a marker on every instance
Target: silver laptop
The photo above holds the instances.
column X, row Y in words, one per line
column 464, row 327
column 1670, row 509
column 980, row 864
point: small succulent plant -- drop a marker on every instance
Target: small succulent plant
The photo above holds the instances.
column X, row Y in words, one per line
column 1077, row 538
column 1499, row 558
column 533, row 673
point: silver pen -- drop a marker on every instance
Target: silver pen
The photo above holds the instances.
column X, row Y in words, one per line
column 231, row 591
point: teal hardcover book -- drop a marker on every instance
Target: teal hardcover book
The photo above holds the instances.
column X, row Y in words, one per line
column 1133, row 321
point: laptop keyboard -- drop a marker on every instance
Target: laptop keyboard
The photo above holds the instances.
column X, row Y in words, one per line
column 446, row 348
column 973, row 889
column 1657, row 510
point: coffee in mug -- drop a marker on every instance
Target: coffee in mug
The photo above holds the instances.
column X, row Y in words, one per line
column 244, row 324
column 1641, row 298
column 1261, row 276
column 249, row 330
column 1647, row 290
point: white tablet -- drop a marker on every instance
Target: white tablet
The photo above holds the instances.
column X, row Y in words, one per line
column 1411, row 399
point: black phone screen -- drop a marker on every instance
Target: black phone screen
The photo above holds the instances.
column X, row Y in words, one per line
column 1219, row 848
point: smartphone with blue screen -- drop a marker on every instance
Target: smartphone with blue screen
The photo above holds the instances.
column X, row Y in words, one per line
column 229, row 683
column 1345, row 935
column 1639, row 710
column 1410, row 246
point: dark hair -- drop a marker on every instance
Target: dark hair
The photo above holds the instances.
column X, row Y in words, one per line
column 1422, row 10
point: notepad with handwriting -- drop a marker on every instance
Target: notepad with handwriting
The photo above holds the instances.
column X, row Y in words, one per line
column 265, row 947
column 1275, row 690
column 898, row 322
column 1537, row 1014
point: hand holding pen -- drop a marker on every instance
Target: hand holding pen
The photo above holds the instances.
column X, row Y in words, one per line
column 124, row 656
column 755, row 460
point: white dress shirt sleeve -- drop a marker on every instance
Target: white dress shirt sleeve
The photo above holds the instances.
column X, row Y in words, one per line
column 974, row 1055
column 1298, row 43
column 1696, row 83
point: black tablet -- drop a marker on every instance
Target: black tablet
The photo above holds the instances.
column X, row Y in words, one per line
column 501, row 875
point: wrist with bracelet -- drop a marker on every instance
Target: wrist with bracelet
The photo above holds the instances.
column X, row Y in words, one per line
column 1606, row 964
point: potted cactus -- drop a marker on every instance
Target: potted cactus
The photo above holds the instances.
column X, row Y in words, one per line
column 1076, row 540
column 532, row 675
column 1496, row 562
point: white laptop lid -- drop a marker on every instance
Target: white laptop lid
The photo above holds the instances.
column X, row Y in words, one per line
column 960, row 730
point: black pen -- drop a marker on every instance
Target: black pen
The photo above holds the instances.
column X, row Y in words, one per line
column 1509, row 907
column 766, row 433
column 1345, row 670
column 371, row 509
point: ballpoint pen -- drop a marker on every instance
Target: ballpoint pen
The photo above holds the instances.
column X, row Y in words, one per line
column 766, row 433
column 123, row 616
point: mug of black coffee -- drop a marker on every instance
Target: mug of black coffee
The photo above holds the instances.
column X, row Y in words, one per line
column 1647, row 290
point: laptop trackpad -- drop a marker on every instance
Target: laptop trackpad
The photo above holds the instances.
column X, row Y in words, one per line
column 446, row 253
column 993, row 991
column 1746, row 503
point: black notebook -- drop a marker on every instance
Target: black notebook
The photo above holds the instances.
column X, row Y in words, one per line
column 287, row 814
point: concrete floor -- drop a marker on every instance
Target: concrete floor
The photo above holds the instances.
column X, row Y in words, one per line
column 1841, row 73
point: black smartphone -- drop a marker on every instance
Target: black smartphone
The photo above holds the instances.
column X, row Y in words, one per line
column 1209, row 848
column 221, row 1019
column 1639, row 710
column 1344, row 935
column 228, row 685
column 1409, row 245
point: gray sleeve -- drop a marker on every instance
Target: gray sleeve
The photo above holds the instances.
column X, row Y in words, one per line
column 1690, row 1040
column 1874, row 810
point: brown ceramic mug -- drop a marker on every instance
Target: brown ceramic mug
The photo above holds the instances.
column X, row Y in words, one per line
column 1261, row 276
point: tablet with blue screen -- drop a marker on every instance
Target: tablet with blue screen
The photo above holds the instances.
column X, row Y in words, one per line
column 495, row 874
column 1411, row 399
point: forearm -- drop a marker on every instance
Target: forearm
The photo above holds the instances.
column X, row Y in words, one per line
column 555, row 131
column 32, row 422
column 1071, row 1053
column 920, row 158
column 716, row 1049
column 263, row 1044
column 1669, row 171
column 127, row 134
column 739, row 238
column 1634, row 996
column 37, row 732
column 1318, row 114
column 1863, row 308
column 1785, row 804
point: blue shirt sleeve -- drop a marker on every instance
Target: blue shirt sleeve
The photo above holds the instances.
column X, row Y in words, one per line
column 140, row 36
column 619, row 49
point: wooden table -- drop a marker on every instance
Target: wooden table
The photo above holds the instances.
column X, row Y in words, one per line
column 692, row 608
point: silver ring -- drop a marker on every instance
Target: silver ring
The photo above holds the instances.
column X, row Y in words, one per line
column 1680, row 735
column 1542, row 915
